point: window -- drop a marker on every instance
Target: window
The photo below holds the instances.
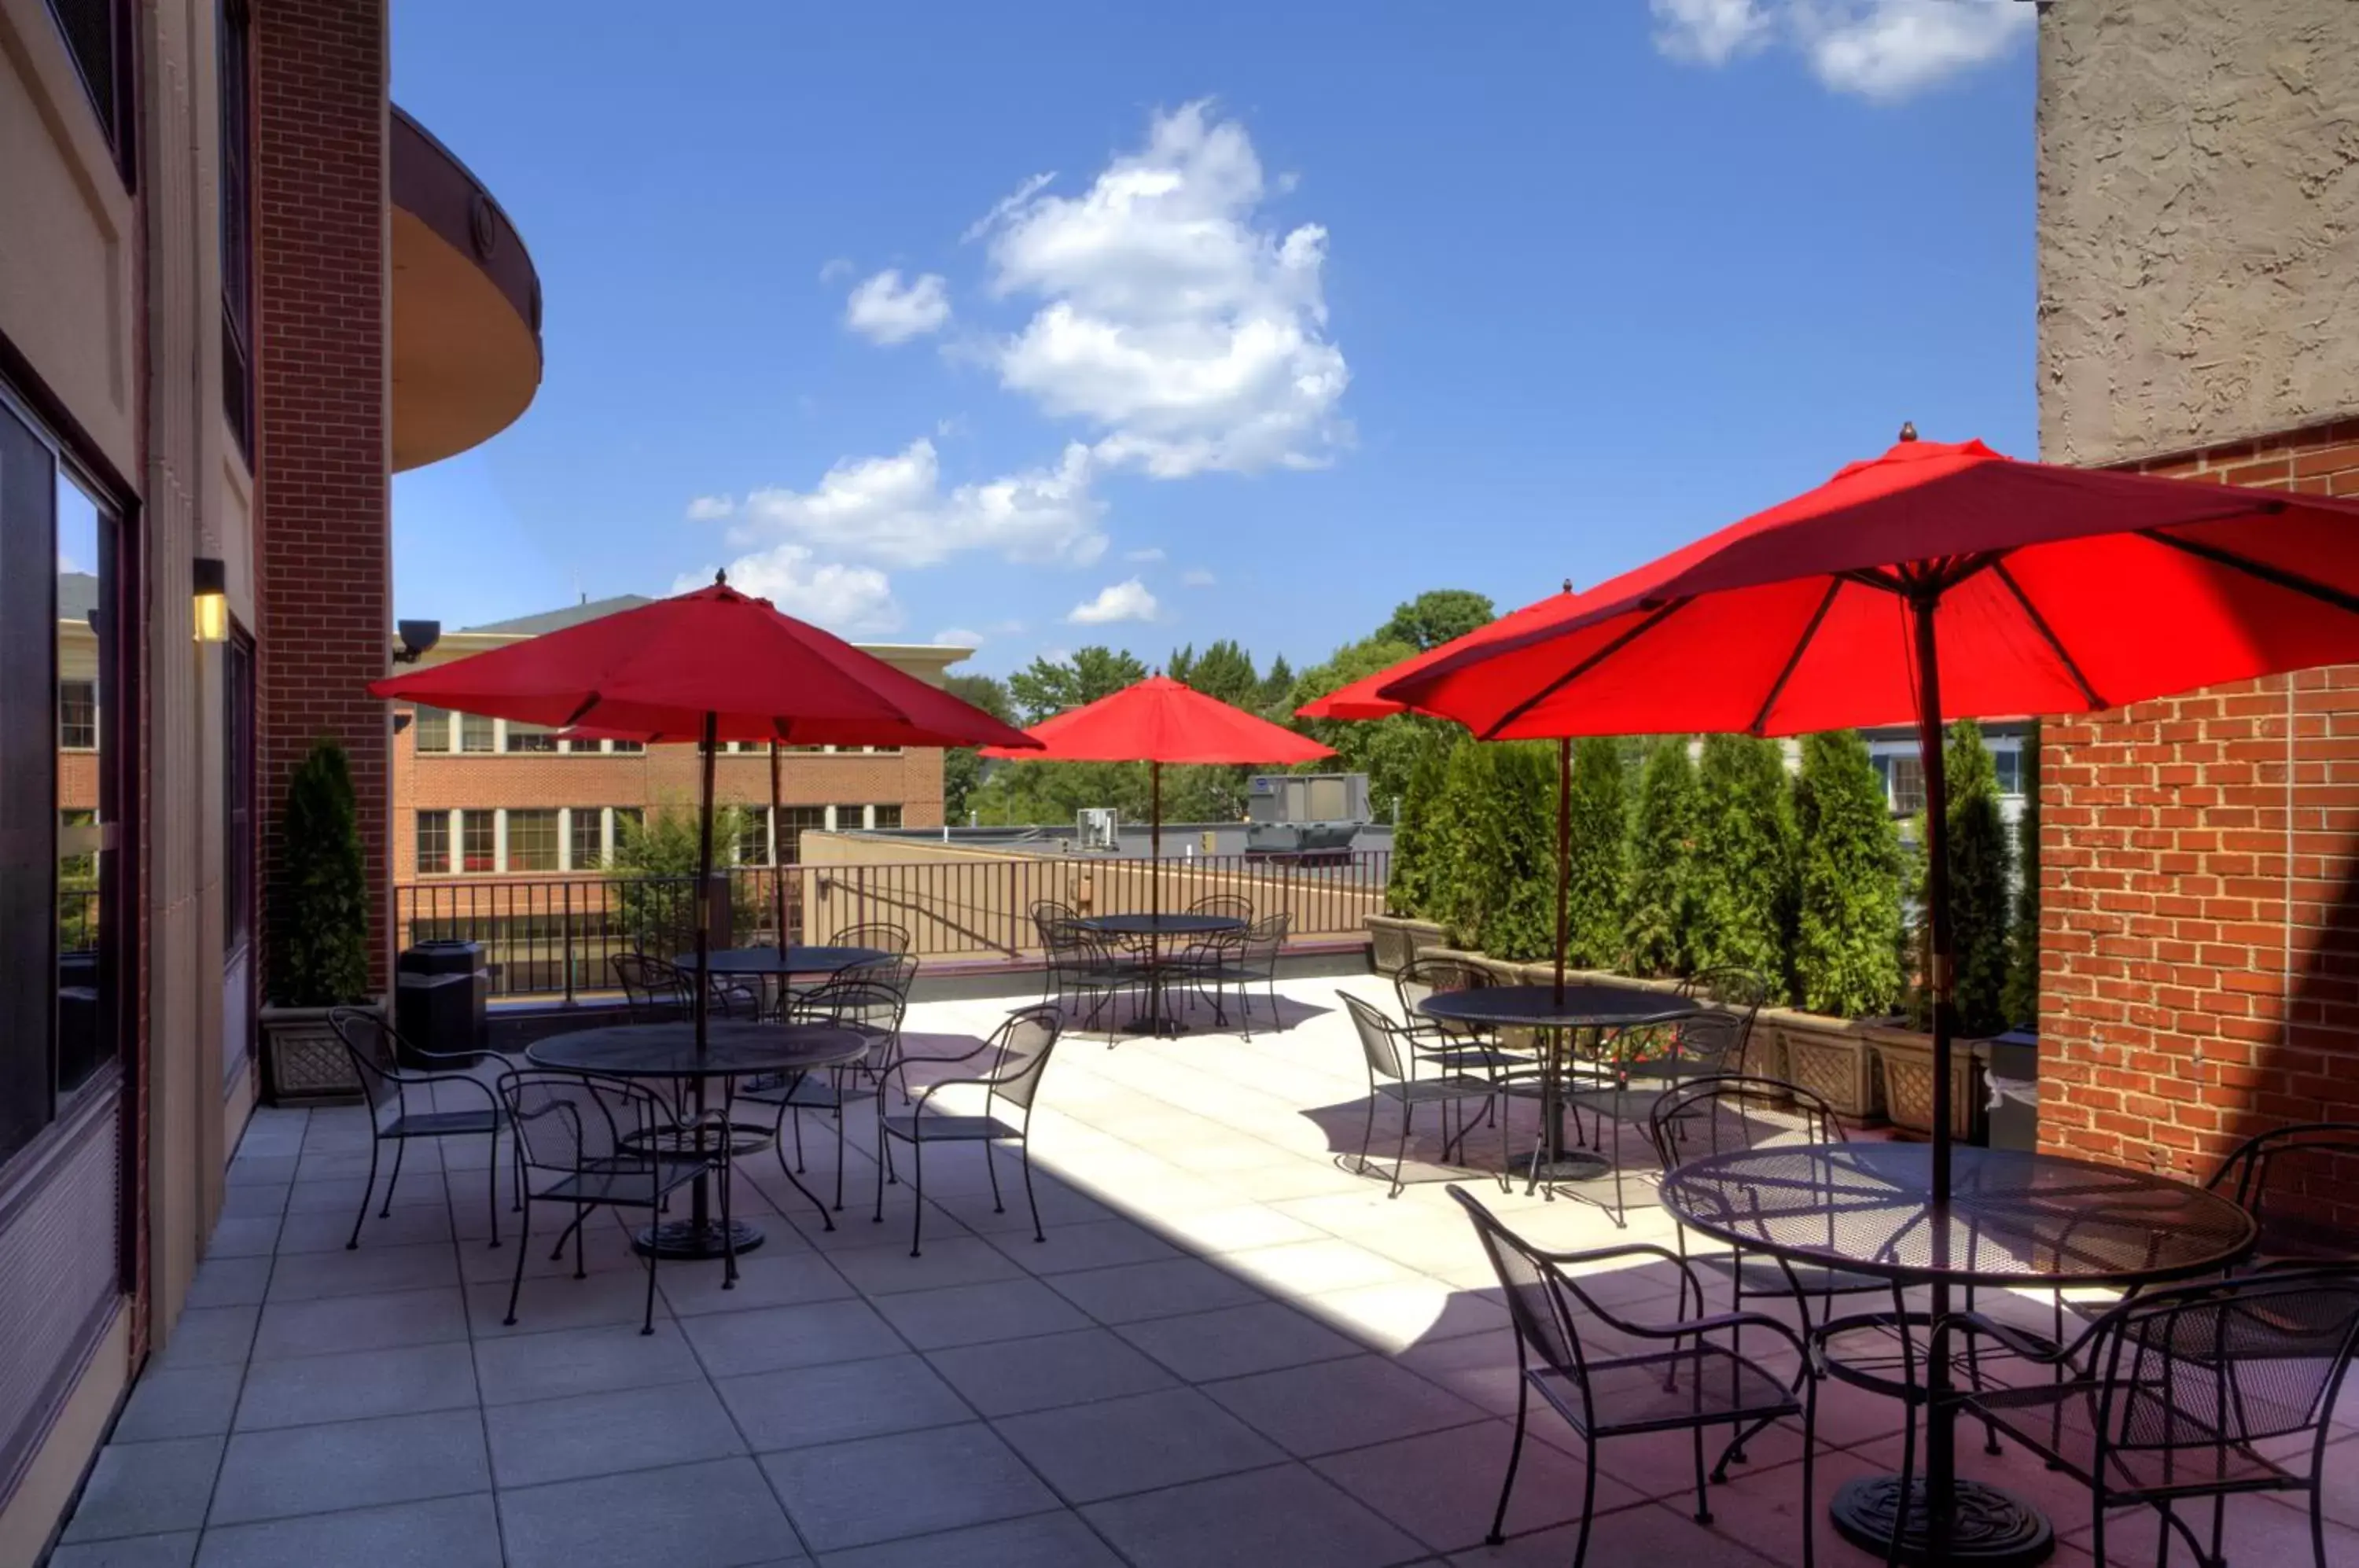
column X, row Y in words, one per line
column 625, row 746
column 1904, row 781
column 753, row 840
column 588, row 840
column 793, row 823
column 78, row 715
column 887, row 816
column 883, row 751
column 627, row 819
column 848, row 819
column 433, row 844
column 476, row 841
column 474, row 732
column 532, row 841
column 432, row 728
column 530, row 738
column 98, row 36
column 239, row 846
column 234, row 71
column 2008, row 762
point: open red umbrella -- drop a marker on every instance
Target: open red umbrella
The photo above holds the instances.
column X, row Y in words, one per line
column 1364, row 698
column 1156, row 721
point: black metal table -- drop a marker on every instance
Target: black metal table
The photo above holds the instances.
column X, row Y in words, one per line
column 2013, row 1218
column 1560, row 1017
column 668, row 1050
column 1153, row 931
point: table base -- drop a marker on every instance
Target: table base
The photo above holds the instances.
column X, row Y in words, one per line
column 1572, row 1165
column 1989, row 1526
column 686, row 1238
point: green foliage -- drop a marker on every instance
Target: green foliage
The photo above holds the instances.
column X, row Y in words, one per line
column 963, row 766
column 318, row 944
column 1277, row 686
column 651, row 881
column 2021, row 1003
column 1386, row 750
column 1496, row 882
column 1419, row 862
column 1048, row 687
column 1597, row 837
column 1981, row 921
column 1223, row 671
column 1846, row 942
column 1659, row 922
column 1744, row 867
column 1437, row 616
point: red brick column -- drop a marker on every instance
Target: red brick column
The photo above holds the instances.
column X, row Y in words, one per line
column 2200, row 893
column 324, row 551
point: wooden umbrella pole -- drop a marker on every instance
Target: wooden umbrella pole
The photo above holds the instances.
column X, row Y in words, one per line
column 1563, row 851
column 1155, row 841
column 1940, row 1416
column 777, row 864
column 704, row 887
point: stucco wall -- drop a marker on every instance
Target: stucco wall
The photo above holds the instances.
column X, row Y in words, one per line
column 2199, row 222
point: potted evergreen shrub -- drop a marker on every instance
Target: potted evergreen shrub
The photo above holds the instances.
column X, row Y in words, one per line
column 1403, row 932
column 319, row 933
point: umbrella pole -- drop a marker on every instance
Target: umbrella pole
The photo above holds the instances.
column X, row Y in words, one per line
column 1154, row 841
column 777, row 864
column 1563, row 851
column 704, row 889
column 1940, row 1417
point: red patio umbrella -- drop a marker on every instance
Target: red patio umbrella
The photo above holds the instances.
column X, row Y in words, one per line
column 1156, row 721
column 709, row 666
column 1364, row 698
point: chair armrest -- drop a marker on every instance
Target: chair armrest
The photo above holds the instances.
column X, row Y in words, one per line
column 1689, row 1326
column 2030, row 1347
column 927, row 1094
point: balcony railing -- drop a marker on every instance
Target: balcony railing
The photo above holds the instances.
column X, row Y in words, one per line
column 553, row 936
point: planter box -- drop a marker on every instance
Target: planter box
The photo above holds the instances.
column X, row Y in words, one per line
column 1905, row 1064
column 1395, row 939
column 303, row 1061
column 1830, row 1057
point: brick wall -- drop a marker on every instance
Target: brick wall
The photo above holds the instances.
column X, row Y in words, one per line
column 2200, row 892
column 323, row 553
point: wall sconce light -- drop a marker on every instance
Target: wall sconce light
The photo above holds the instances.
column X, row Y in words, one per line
column 417, row 639
column 212, row 599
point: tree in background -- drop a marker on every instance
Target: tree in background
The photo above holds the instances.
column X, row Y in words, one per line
column 1277, row 686
column 1744, row 866
column 1496, row 884
column 1046, row 686
column 1223, row 671
column 1597, row 832
column 1981, row 923
column 1846, row 948
column 1386, row 750
column 1420, row 856
column 1659, row 924
column 319, row 948
column 2022, row 1001
column 1437, row 616
column 651, row 881
column 963, row 766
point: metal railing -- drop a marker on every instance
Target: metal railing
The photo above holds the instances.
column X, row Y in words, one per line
column 553, row 936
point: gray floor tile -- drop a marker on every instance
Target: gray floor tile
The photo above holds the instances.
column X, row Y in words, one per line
column 144, row 1488
column 197, row 1402
column 1037, row 1540
column 1335, row 1405
column 1235, row 1340
column 332, row 1164
column 310, row 1469
column 235, row 1238
column 850, row 1493
column 256, row 1200
column 600, row 1434
column 970, row 1314
column 211, row 1336
column 356, row 1385
column 339, row 1324
column 327, row 1231
column 273, row 1168
column 1284, row 1514
column 1117, row 1446
column 1441, row 1487
column 1010, row 1376
column 1136, row 1291
column 772, row 1338
column 372, row 1270
column 782, row 1277
column 229, row 1282
column 581, row 1361
column 716, row 1515
column 887, row 1267
column 1106, row 1243
column 444, row 1532
column 177, row 1550
column 341, row 1195
column 554, row 1301
column 1656, row 1534
column 840, row 1401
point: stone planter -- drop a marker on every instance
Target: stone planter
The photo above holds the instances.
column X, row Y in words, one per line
column 1905, row 1065
column 303, row 1061
column 1395, row 939
column 1831, row 1057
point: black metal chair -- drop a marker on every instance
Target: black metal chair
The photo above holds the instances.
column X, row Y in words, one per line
column 1244, row 959
column 656, row 990
column 1083, row 969
column 400, row 1099
column 2173, row 1396
column 571, row 1148
column 1390, row 1051
column 2294, row 1182
column 1019, row 1051
column 1228, row 906
column 882, row 935
column 1692, row 1383
column 863, row 1006
column 1463, row 1047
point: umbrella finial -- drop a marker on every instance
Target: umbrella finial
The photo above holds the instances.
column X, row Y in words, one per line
column 1908, row 429
column 1568, row 585
column 721, row 578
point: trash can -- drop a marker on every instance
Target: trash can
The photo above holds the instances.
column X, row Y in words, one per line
column 440, row 992
column 2011, row 1068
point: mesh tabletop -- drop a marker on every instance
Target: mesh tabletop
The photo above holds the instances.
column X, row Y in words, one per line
column 2014, row 1217
column 1539, row 1007
column 732, row 1050
column 794, row 961
column 1162, row 925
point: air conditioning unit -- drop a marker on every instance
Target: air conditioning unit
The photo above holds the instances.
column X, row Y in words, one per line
column 1096, row 827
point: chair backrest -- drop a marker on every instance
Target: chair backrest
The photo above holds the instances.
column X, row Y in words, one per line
column 1737, row 990
column 565, row 1121
column 1230, row 906
column 1266, row 937
column 1047, row 913
column 1381, row 1040
column 2295, row 1181
column 375, row 1052
column 862, row 1003
column 2229, row 1363
column 654, row 989
column 1537, row 1300
column 882, row 935
column 1714, row 1041
column 1725, row 1114
column 1021, row 1048
column 1426, row 976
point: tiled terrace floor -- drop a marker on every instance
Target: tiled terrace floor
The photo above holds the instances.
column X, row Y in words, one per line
column 1229, row 1350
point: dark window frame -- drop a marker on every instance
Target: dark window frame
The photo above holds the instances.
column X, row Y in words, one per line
column 595, row 819
column 534, row 817
column 468, row 822
column 233, row 86
column 112, row 81
column 87, row 721
column 440, row 822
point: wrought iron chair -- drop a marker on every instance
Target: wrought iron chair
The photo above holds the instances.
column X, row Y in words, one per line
column 865, row 1006
column 1228, row 906
column 656, row 990
column 2186, row 1393
column 1082, row 967
column 1390, row 1051
column 1462, row 1047
column 882, row 935
column 1244, row 959
column 401, row 1102
column 1018, row 1053
column 1691, row 1383
column 572, row 1148
column 2288, row 1179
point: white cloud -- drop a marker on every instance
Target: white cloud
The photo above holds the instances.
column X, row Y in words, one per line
column 1127, row 601
column 883, row 311
column 1153, row 553
column 895, row 510
column 1882, row 49
column 851, row 600
column 835, row 269
column 1197, row 577
column 1172, row 318
column 959, row 636
column 710, row 509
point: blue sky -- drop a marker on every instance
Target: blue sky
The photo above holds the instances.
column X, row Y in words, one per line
column 1317, row 306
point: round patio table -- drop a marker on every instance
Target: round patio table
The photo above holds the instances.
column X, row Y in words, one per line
column 668, row 1050
column 1599, row 1009
column 1152, row 931
column 2013, row 1218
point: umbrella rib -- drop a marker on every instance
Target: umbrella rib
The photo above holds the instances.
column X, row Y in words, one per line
column 1801, row 646
column 2039, row 624
column 1656, row 619
column 587, row 703
column 2276, row 576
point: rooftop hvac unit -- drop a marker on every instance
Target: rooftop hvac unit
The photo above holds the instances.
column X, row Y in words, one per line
column 1096, row 827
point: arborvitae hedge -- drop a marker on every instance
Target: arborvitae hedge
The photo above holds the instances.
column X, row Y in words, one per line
column 1598, row 840
column 1846, row 940
column 1981, row 920
column 1660, row 905
column 2022, row 1000
column 1415, row 884
column 1743, row 871
column 1495, row 834
column 319, row 946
